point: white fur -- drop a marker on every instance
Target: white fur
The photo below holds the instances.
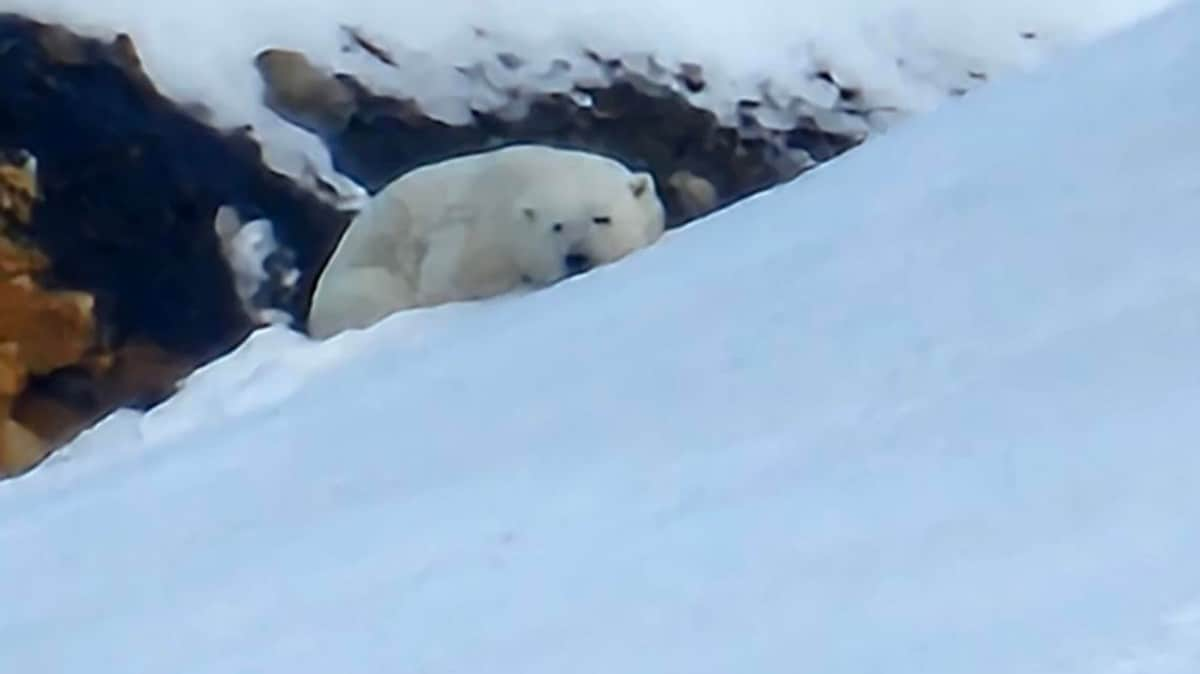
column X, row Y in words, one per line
column 481, row 225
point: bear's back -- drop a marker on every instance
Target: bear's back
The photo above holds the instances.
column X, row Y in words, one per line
column 458, row 191
column 484, row 185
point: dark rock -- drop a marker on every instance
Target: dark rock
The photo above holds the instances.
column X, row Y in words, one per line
column 692, row 77
column 386, row 137
column 358, row 39
column 510, row 60
column 132, row 183
column 644, row 123
column 114, row 283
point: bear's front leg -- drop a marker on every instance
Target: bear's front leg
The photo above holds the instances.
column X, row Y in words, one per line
column 357, row 298
column 444, row 267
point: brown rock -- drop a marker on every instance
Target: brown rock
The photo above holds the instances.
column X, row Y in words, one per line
column 20, row 448
column 12, row 375
column 51, row 329
column 17, row 261
column 61, row 45
column 302, row 94
column 694, row 195
column 59, row 406
column 143, row 374
column 40, row 331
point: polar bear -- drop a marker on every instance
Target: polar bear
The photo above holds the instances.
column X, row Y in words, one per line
column 481, row 225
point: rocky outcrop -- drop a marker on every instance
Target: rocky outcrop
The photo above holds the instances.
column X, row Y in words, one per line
column 42, row 331
column 20, row 448
column 701, row 163
column 112, row 281
column 132, row 183
column 57, row 374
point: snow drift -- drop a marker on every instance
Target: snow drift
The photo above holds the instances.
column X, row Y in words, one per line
column 946, row 428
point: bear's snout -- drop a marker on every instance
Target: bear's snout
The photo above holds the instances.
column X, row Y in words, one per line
column 577, row 263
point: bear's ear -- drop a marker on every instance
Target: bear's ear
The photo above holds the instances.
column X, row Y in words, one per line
column 640, row 184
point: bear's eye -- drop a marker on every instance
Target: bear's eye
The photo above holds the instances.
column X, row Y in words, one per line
column 602, row 220
column 558, row 227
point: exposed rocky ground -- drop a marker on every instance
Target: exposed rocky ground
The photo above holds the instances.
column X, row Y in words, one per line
column 121, row 276
column 128, row 186
column 643, row 123
column 43, row 331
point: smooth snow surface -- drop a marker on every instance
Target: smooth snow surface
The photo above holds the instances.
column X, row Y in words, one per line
column 904, row 55
column 932, row 408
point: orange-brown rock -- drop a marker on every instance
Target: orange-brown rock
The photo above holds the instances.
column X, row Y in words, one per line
column 17, row 261
column 20, row 448
column 52, row 329
column 41, row 331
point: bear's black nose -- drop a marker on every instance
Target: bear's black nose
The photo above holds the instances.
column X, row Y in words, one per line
column 577, row 263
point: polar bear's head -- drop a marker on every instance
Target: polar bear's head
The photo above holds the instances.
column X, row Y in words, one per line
column 546, row 251
column 629, row 218
column 578, row 210
column 592, row 219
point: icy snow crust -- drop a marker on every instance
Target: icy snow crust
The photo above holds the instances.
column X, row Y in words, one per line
column 948, row 428
column 905, row 55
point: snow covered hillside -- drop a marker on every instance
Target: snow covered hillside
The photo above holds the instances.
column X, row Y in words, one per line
column 948, row 426
column 903, row 56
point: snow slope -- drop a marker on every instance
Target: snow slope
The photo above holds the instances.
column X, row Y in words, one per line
column 902, row 54
column 948, row 428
